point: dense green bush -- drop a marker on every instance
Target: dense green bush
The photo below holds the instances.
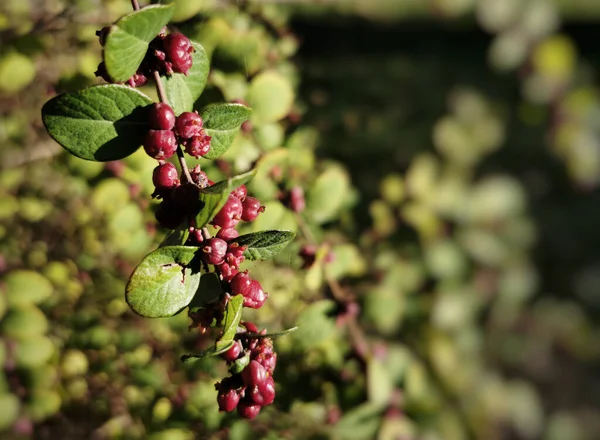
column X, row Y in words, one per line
column 444, row 276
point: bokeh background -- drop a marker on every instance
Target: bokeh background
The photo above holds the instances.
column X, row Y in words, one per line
column 450, row 155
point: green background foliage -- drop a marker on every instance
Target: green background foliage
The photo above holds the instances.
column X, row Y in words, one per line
column 450, row 156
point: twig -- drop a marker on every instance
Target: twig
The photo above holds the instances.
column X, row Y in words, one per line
column 135, row 5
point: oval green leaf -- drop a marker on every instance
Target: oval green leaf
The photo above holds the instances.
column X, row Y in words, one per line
column 233, row 315
column 265, row 244
column 214, row 197
column 222, row 123
column 183, row 90
column 100, row 123
column 164, row 282
column 271, row 95
column 127, row 41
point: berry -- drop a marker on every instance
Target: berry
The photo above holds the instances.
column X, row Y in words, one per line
column 241, row 285
column 162, row 116
column 228, row 234
column 263, row 394
column 198, row 145
column 188, row 124
column 230, row 214
column 178, row 50
column 214, row 251
column 228, row 400
column 165, row 176
column 227, row 272
column 297, row 202
column 250, row 209
column 138, row 79
column 256, row 296
column 160, row 144
column 168, row 216
column 103, row 73
column 199, row 176
column 254, row 374
column 248, row 409
column 250, row 327
column 233, row 353
column 267, row 360
column 240, row 192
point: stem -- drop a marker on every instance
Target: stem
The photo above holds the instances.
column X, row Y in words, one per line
column 135, row 5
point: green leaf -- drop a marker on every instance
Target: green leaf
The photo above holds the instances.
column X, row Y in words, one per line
column 265, row 244
column 327, row 195
column 127, row 41
column 164, row 282
column 271, row 96
column 214, row 197
column 176, row 237
column 222, row 123
column 233, row 315
column 183, row 90
column 380, row 385
column 210, row 290
column 100, row 123
column 212, row 351
column 269, row 335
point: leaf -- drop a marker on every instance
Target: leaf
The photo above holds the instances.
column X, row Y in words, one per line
column 214, row 197
column 271, row 96
column 101, row 123
column 176, row 237
column 380, row 385
column 212, row 351
column 127, row 40
column 327, row 195
column 164, row 282
column 210, row 290
column 265, row 244
column 233, row 315
column 222, row 123
column 269, row 335
column 183, row 90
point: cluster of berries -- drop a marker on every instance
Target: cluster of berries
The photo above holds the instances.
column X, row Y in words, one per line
column 251, row 385
column 167, row 54
column 168, row 131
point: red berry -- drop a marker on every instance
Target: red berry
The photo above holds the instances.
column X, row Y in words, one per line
column 162, row 116
column 267, row 360
column 254, row 374
column 297, row 202
column 198, row 146
column 165, row 176
column 227, row 272
column 250, row 209
column 178, row 49
column 250, row 326
column 160, row 144
column 228, row 400
column 248, row 409
column 263, row 394
column 233, row 353
column 214, row 251
column 256, row 296
column 240, row 192
column 199, row 176
column 188, row 125
column 230, row 213
column 228, row 234
column 241, row 284
column 138, row 79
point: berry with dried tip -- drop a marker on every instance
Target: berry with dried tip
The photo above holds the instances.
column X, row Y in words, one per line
column 263, row 394
column 138, row 79
column 165, row 176
column 214, row 251
column 230, row 213
column 160, row 144
column 235, row 255
column 162, row 116
column 227, row 272
column 248, row 409
column 198, row 146
column 178, row 49
column 256, row 296
column 188, row 125
column 250, row 209
column 228, row 400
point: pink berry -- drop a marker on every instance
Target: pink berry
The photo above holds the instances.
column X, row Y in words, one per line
column 188, row 125
column 178, row 50
column 240, row 192
column 214, row 251
column 248, row 410
column 198, row 146
column 160, row 144
column 250, row 326
column 228, row 234
column 162, row 116
column 264, row 394
column 256, row 296
column 165, row 176
column 297, row 201
column 138, row 79
column 254, row 374
column 227, row 272
column 228, row 400
column 233, row 353
column 251, row 209
column 241, row 284
column 230, row 213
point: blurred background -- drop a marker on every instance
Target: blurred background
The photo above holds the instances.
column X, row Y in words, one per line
column 446, row 274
